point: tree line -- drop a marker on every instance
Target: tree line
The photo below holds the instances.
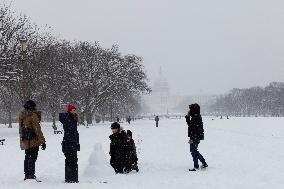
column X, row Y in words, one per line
column 255, row 101
column 101, row 82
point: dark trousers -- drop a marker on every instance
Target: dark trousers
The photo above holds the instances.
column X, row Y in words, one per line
column 157, row 123
column 29, row 163
column 196, row 155
column 71, row 167
column 117, row 164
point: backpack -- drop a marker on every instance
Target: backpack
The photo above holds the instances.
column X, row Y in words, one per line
column 27, row 133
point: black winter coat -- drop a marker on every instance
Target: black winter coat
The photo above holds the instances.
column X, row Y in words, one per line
column 70, row 141
column 195, row 127
column 118, row 148
column 131, row 155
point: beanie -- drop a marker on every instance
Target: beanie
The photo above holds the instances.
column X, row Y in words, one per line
column 30, row 105
column 70, row 108
column 115, row 125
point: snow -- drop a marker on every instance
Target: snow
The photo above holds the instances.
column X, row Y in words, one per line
column 98, row 166
column 241, row 153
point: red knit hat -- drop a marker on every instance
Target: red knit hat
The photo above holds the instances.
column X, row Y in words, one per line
column 70, row 108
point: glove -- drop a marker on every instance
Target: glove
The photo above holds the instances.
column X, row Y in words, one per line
column 190, row 141
column 43, row 146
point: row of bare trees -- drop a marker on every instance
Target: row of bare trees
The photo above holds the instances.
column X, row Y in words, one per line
column 101, row 82
column 255, row 101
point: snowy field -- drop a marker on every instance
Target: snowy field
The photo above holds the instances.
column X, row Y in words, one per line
column 241, row 153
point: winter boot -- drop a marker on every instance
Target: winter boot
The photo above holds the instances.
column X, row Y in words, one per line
column 29, row 177
column 196, row 167
column 204, row 165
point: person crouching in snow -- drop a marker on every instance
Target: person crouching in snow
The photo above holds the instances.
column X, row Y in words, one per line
column 31, row 137
column 70, row 143
column 117, row 148
column 195, row 134
column 131, row 155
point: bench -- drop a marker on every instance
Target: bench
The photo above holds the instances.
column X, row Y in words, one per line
column 58, row 132
column 2, row 141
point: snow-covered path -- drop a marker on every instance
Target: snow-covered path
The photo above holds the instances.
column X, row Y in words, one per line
column 241, row 153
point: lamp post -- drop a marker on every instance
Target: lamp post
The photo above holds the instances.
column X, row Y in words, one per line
column 25, row 88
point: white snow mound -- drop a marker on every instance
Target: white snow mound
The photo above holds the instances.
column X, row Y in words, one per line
column 98, row 166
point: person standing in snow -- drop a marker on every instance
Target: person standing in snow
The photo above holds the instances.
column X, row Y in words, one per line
column 31, row 137
column 195, row 134
column 128, row 119
column 131, row 155
column 157, row 121
column 117, row 148
column 70, row 143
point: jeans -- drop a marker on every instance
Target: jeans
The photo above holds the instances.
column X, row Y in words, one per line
column 196, row 155
column 29, row 163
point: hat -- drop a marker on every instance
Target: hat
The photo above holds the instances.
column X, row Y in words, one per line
column 70, row 108
column 30, row 105
column 129, row 133
column 115, row 125
column 194, row 109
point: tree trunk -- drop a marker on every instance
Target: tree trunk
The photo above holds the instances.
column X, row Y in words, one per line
column 10, row 118
column 89, row 116
column 54, row 120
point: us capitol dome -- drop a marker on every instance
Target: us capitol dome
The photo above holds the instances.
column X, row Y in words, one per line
column 160, row 102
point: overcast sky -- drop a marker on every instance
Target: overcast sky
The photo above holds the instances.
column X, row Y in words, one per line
column 203, row 46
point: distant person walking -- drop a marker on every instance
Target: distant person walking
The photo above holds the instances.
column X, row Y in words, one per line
column 128, row 119
column 31, row 137
column 157, row 121
column 195, row 134
column 70, row 143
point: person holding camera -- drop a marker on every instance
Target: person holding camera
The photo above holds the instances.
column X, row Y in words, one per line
column 31, row 137
column 195, row 134
column 70, row 143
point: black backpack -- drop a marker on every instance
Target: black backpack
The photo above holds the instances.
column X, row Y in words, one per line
column 28, row 134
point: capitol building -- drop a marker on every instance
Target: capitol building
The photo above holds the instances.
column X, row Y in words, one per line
column 160, row 101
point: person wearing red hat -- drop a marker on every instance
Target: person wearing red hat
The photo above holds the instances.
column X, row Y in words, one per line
column 70, row 108
column 70, row 143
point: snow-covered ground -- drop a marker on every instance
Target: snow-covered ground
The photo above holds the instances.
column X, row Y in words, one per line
column 241, row 153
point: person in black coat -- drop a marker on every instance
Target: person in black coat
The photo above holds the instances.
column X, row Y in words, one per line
column 131, row 155
column 70, row 143
column 128, row 119
column 195, row 134
column 117, row 148
column 157, row 121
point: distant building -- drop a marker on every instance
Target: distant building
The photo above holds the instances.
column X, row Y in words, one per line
column 160, row 100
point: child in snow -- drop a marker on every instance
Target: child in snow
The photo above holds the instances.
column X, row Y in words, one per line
column 195, row 134
column 131, row 155
column 117, row 148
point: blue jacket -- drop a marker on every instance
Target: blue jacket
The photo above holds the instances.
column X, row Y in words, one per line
column 70, row 141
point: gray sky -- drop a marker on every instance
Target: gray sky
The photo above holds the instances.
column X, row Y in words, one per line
column 204, row 46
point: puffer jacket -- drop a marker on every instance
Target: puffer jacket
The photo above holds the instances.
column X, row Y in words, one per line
column 195, row 127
